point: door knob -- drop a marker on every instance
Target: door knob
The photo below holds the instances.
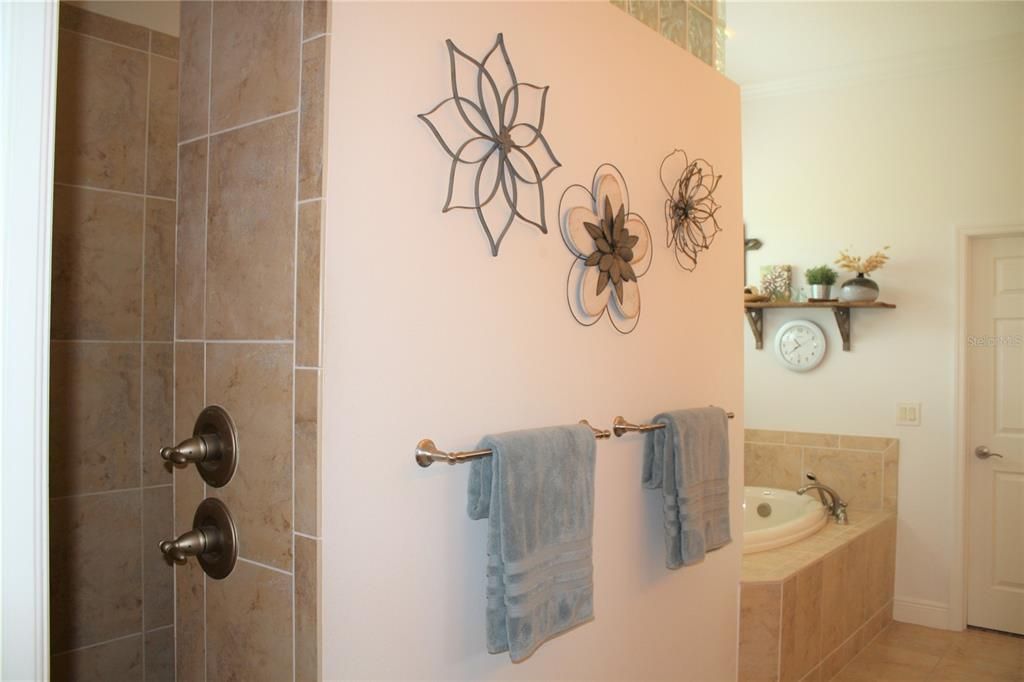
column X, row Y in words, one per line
column 213, row 447
column 213, row 540
column 982, row 452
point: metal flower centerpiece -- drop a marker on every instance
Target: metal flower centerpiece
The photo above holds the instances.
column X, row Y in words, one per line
column 691, row 222
column 491, row 127
column 611, row 249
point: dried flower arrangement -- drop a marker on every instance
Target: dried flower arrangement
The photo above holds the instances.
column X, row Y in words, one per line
column 862, row 266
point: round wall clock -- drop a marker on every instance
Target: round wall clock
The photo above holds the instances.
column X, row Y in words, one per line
column 800, row 345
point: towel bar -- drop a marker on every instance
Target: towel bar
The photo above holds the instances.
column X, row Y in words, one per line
column 621, row 426
column 427, row 453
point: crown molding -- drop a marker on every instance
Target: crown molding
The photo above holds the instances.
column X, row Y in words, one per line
column 972, row 55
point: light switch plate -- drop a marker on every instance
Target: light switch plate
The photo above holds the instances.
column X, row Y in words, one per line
column 908, row 414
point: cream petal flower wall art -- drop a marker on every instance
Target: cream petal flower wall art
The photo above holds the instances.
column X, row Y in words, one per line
column 611, row 250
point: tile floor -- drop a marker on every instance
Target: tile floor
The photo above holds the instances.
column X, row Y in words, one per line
column 911, row 652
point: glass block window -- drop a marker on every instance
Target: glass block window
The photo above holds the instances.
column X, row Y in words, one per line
column 697, row 26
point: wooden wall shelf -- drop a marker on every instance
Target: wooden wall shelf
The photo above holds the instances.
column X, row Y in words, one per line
column 841, row 310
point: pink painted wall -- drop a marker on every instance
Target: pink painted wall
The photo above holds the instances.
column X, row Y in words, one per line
column 427, row 335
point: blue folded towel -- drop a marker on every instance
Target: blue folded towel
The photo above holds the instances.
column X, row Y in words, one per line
column 689, row 461
column 537, row 492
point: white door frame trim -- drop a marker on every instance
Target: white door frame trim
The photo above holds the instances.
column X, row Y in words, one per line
column 28, row 75
column 958, row 567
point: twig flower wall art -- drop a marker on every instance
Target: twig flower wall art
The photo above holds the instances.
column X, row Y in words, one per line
column 611, row 250
column 492, row 128
column 691, row 220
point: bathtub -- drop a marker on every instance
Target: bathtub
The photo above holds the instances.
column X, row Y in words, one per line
column 773, row 518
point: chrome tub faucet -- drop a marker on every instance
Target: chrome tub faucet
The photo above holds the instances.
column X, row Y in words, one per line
column 835, row 504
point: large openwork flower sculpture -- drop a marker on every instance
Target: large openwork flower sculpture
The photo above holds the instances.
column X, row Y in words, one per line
column 691, row 222
column 491, row 128
column 611, row 249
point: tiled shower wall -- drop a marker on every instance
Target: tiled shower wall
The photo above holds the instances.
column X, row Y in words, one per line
column 111, row 352
column 247, row 326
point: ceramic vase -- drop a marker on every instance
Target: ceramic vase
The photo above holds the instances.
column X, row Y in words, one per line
column 860, row 289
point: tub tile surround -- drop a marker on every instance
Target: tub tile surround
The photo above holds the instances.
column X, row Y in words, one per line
column 808, row 608
column 864, row 470
column 248, row 329
column 111, row 349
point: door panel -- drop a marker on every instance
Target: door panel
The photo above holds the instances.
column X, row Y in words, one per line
column 995, row 414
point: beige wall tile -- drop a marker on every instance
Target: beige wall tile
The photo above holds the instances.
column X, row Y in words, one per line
column 251, row 235
column 881, row 545
column 854, row 474
column 801, row 634
column 823, row 440
column 249, row 617
column 96, row 575
column 315, row 18
column 190, row 273
column 160, row 655
column 158, row 574
column 764, row 436
column 835, row 661
column 190, row 622
column 162, row 154
column 157, row 410
column 101, row 114
column 760, row 607
column 307, row 464
column 255, row 61
column 119, row 660
column 163, row 45
column 865, row 443
column 100, row 26
column 158, row 266
column 94, row 417
column 194, row 69
column 858, row 567
column 307, row 609
column 253, row 382
column 891, row 476
column 313, row 118
column 771, row 465
column 97, row 265
column 835, row 628
column 307, row 286
column 813, row 676
column 189, row 389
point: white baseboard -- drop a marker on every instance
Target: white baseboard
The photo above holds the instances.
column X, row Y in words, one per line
column 931, row 614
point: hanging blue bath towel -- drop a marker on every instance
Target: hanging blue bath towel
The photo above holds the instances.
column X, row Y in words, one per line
column 689, row 461
column 537, row 493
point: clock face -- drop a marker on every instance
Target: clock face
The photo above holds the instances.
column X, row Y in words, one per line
column 800, row 345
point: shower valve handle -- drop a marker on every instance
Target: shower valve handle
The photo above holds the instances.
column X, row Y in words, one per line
column 193, row 449
column 191, row 543
column 213, row 540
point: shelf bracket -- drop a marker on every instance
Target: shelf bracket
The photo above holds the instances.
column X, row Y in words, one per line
column 755, row 316
column 843, row 322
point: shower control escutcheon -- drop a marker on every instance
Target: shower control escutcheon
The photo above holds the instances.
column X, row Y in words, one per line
column 213, row 447
column 213, row 540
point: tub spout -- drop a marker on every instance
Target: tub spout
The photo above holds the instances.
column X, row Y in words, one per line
column 836, row 506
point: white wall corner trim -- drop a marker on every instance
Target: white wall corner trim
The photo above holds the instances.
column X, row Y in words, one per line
column 28, row 58
column 915, row 64
column 922, row 612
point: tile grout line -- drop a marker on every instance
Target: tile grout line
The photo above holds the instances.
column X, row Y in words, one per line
column 94, row 493
column 174, row 370
column 295, row 319
column 253, row 562
column 140, row 195
column 104, row 40
column 232, row 129
column 206, row 272
column 142, row 354
column 315, row 538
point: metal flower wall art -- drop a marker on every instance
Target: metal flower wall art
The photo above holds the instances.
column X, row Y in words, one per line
column 611, row 250
column 491, row 127
column 691, row 221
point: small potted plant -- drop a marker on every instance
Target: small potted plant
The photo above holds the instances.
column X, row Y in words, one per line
column 861, row 287
column 821, row 280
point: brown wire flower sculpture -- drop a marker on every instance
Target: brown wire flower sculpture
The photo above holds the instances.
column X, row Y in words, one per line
column 611, row 249
column 491, row 127
column 691, row 222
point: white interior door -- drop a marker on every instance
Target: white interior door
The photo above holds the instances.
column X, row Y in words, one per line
column 995, row 414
